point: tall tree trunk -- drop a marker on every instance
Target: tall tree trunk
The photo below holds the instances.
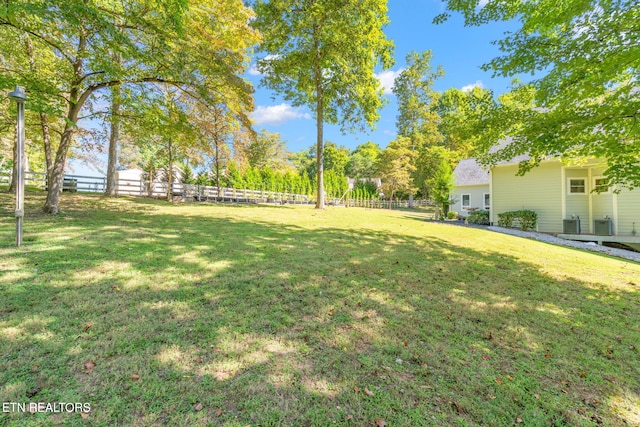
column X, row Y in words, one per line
column 114, row 138
column 320, row 138
column 170, row 173
column 57, row 171
column 46, row 143
column 216, row 142
column 151, row 181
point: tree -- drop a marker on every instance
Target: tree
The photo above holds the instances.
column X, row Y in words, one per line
column 395, row 168
column 585, row 59
column 363, row 161
column 414, row 90
column 335, row 157
column 322, row 54
column 442, row 185
column 200, row 50
column 265, row 149
column 462, row 118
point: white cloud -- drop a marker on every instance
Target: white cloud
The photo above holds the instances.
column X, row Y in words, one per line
column 277, row 114
column 470, row 87
column 482, row 3
column 387, row 79
column 254, row 70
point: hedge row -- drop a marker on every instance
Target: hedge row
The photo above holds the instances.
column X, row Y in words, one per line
column 525, row 218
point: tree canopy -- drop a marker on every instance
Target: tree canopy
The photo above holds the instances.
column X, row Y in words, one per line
column 584, row 57
column 183, row 44
column 322, row 54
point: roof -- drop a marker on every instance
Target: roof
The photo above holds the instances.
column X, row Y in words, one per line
column 469, row 172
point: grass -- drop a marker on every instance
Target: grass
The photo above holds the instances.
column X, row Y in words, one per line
column 201, row 314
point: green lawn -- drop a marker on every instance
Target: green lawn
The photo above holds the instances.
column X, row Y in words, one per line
column 201, row 314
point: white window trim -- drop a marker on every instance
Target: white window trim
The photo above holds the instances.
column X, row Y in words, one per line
column 594, row 186
column 484, row 199
column 462, row 201
column 586, row 190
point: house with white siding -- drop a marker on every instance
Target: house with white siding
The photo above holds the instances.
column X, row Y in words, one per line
column 563, row 195
column 472, row 188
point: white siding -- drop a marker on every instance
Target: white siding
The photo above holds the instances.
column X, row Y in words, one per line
column 476, row 198
column 628, row 211
column 538, row 190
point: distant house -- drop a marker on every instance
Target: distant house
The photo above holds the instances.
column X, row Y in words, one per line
column 472, row 190
column 561, row 194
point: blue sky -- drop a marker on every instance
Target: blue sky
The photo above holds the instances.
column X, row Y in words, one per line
column 458, row 49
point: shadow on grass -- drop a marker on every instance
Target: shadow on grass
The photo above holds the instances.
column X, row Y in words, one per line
column 272, row 324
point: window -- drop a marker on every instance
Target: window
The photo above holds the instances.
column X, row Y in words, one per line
column 577, row 186
column 466, row 201
column 601, row 185
column 487, row 201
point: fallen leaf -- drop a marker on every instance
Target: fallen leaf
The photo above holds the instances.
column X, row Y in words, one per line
column 492, row 397
column 458, row 408
column 368, row 392
column 581, row 410
column 582, row 374
column 547, row 355
column 84, row 415
column 87, row 326
column 519, row 420
column 219, row 412
column 198, row 360
column 198, row 407
column 485, row 357
column 405, row 343
column 564, row 391
column 90, row 365
column 380, row 422
column 356, row 388
column 135, row 376
column 499, row 381
column 537, row 395
column 348, row 417
column 489, row 336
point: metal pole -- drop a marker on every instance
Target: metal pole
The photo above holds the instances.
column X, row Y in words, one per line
column 19, row 96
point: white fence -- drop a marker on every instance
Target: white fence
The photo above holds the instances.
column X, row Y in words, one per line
column 130, row 187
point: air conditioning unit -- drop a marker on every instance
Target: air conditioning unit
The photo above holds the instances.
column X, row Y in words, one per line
column 571, row 226
column 603, row 227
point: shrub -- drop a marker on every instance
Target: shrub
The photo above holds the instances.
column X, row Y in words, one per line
column 452, row 215
column 479, row 217
column 525, row 218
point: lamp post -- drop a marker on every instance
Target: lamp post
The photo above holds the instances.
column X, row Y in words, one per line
column 19, row 96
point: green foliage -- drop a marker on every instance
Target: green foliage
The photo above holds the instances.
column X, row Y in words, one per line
column 322, row 54
column 479, row 216
column 265, row 149
column 585, row 59
column 442, row 185
column 362, row 162
column 526, row 219
column 395, row 167
column 452, row 215
column 414, row 91
column 164, row 42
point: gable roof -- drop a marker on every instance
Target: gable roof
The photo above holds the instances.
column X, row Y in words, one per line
column 469, row 172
